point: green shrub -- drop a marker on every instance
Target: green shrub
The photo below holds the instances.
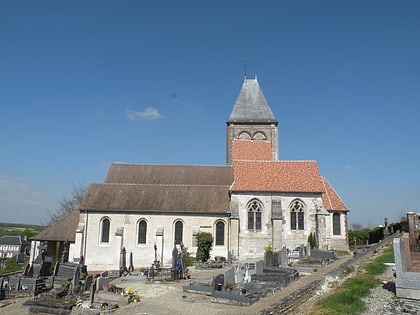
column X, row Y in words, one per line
column 204, row 244
column 312, row 240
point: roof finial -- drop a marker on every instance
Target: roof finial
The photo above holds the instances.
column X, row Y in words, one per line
column 245, row 68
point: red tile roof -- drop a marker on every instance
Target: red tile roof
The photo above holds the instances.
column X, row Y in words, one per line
column 330, row 199
column 279, row 176
column 251, row 150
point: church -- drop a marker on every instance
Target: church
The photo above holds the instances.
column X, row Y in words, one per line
column 253, row 201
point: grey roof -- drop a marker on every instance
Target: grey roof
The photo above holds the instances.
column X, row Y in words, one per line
column 169, row 174
column 157, row 198
column 62, row 230
column 11, row 240
column 251, row 105
column 162, row 188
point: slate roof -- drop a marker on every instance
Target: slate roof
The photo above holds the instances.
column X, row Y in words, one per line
column 10, row 240
column 251, row 106
column 252, row 150
column 64, row 229
column 157, row 198
column 162, row 188
column 169, row 174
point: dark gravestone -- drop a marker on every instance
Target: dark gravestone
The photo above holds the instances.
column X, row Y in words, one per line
column 27, row 269
column 14, row 283
column 75, row 283
column 92, row 293
column 29, row 284
column 218, row 282
column 87, row 283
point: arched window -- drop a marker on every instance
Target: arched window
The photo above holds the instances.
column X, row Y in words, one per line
column 297, row 215
column 141, row 238
column 259, row 136
column 179, row 226
column 254, row 215
column 336, row 224
column 220, row 233
column 244, row 136
column 105, row 229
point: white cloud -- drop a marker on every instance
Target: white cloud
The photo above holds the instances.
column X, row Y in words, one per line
column 147, row 113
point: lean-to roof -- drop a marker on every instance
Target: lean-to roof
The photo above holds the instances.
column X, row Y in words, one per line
column 62, row 230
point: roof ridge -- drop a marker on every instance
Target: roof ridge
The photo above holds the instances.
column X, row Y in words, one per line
column 326, row 192
column 161, row 185
column 286, row 161
column 332, row 188
column 175, row 164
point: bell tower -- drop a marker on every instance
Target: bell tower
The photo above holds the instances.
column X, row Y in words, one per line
column 251, row 119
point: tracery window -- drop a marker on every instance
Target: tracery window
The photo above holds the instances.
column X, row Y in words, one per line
column 142, row 232
column 297, row 215
column 336, row 224
column 179, row 227
column 255, row 209
column 105, row 230
column 220, row 233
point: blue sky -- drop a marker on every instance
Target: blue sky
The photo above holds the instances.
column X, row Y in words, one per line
column 87, row 83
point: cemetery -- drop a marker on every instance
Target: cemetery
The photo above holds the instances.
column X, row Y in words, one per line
column 69, row 285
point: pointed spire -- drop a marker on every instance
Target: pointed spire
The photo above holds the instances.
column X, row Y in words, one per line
column 251, row 105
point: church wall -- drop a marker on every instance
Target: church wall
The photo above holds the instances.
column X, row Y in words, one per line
column 276, row 228
column 252, row 244
column 160, row 231
column 338, row 242
column 295, row 238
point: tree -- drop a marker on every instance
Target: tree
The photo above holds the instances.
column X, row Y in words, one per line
column 204, row 244
column 312, row 240
column 68, row 204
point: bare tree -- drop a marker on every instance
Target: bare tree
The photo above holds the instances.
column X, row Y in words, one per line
column 68, row 204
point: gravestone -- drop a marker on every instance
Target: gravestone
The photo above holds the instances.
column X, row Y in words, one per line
column 75, row 283
column 218, row 282
column 229, row 276
column 301, row 251
column 14, row 283
column 239, row 275
column 29, row 284
column 259, row 267
column 283, row 257
column 92, row 292
column 87, row 283
column 102, row 284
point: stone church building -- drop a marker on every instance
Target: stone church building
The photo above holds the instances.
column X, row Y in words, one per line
column 253, row 201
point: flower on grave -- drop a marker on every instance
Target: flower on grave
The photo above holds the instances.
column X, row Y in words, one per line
column 130, row 291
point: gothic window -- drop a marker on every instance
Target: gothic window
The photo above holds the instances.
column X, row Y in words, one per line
column 105, row 229
column 254, row 215
column 297, row 215
column 220, row 233
column 336, row 224
column 179, row 226
column 142, row 232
